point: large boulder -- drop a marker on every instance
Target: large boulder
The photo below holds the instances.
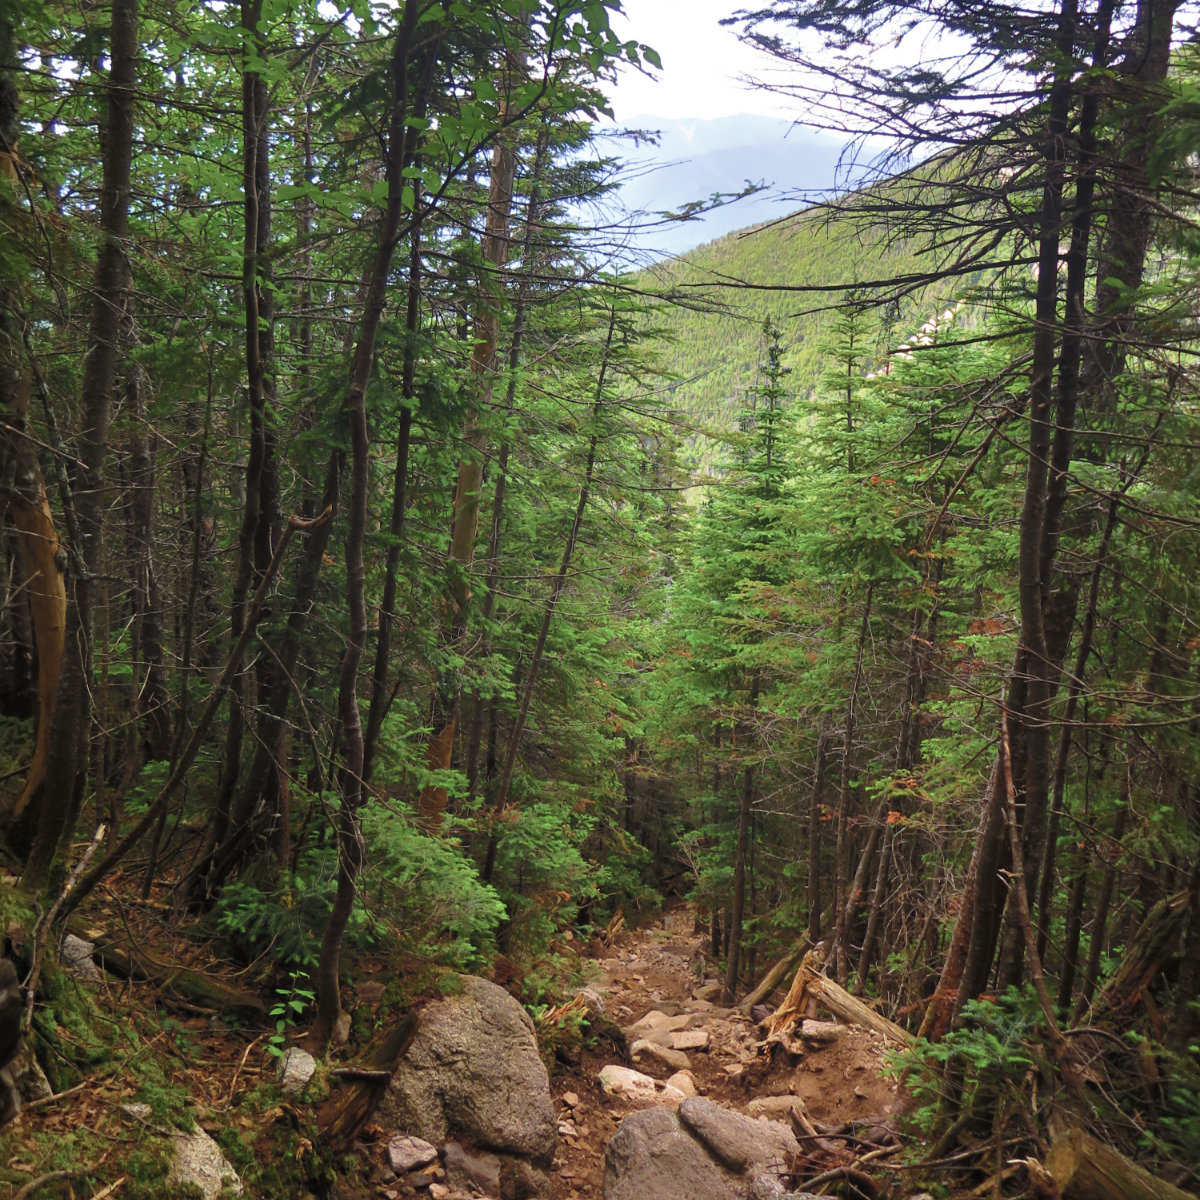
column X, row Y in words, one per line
column 739, row 1142
column 473, row 1076
column 701, row 1152
column 653, row 1154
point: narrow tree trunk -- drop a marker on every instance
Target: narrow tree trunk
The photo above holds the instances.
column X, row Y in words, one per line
column 492, row 569
column 412, row 324
column 514, row 737
column 814, row 836
column 1103, row 904
column 741, row 852
column 259, row 527
column 349, row 838
column 840, row 955
column 66, row 769
column 465, row 513
column 876, row 913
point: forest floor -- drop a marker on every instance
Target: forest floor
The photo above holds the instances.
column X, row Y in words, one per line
column 663, row 967
column 218, row 1071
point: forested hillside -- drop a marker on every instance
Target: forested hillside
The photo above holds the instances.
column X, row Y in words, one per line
column 711, row 337
column 391, row 590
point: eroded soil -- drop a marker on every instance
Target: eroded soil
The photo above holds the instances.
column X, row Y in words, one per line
column 663, row 968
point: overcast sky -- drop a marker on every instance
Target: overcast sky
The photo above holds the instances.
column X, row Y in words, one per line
column 701, row 63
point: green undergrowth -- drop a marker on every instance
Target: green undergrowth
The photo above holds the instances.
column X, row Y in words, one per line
column 974, row 1087
column 105, row 1050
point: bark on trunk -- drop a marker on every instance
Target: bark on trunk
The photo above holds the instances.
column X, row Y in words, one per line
column 842, row 899
column 465, row 513
column 66, row 769
column 564, row 566
column 349, row 838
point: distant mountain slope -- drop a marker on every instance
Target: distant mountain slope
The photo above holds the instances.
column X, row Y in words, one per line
column 713, row 354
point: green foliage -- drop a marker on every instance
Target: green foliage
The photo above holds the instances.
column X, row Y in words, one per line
column 980, row 1069
column 285, row 923
column 291, row 1003
column 426, row 891
column 1178, row 1130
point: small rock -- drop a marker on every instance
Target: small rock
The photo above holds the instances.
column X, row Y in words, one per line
column 294, row 1069
column 690, row 1039
column 675, row 1059
column 636, row 1088
column 198, row 1161
column 407, row 1153
column 370, row 992
column 706, row 991
column 341, row 1029
column 136, row 1110
column 439, row 1191
column 422, row 1177
column 76, row 955
column 570, row 1099
column 775, row 1108
column 656, row 1020
column 684, row 1081
column 468, row 1168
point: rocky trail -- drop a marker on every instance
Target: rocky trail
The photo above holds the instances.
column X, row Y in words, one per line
column 670, row 1096
column 656, row 985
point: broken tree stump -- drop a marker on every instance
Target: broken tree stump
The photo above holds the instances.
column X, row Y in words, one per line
column 811, row 987
column 1083, row 1168
column 795, row 1003
column 775, row 976
column 341, row 1117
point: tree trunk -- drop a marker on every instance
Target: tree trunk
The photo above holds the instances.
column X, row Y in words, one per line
column 66, row 769
column 412, row 324
column 492, row 569
column 1103, row 903
column 745, row 806
column 814, row 836
column 535, row 662
column 349, row 838
column 22, row 487
column 465, row 513
column 842, row 899
column 1083, row 1168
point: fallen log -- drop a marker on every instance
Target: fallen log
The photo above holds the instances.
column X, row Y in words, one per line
column 1083, row 1168
column 810, row 986
column 775, row 976
column 852, row 1010
column 206, row 991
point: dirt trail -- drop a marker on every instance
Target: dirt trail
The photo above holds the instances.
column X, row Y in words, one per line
column 663, row 967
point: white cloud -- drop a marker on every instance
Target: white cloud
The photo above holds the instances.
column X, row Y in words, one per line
column 702, row 62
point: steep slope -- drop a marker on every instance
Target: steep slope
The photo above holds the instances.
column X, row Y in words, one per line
column 711, row 343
